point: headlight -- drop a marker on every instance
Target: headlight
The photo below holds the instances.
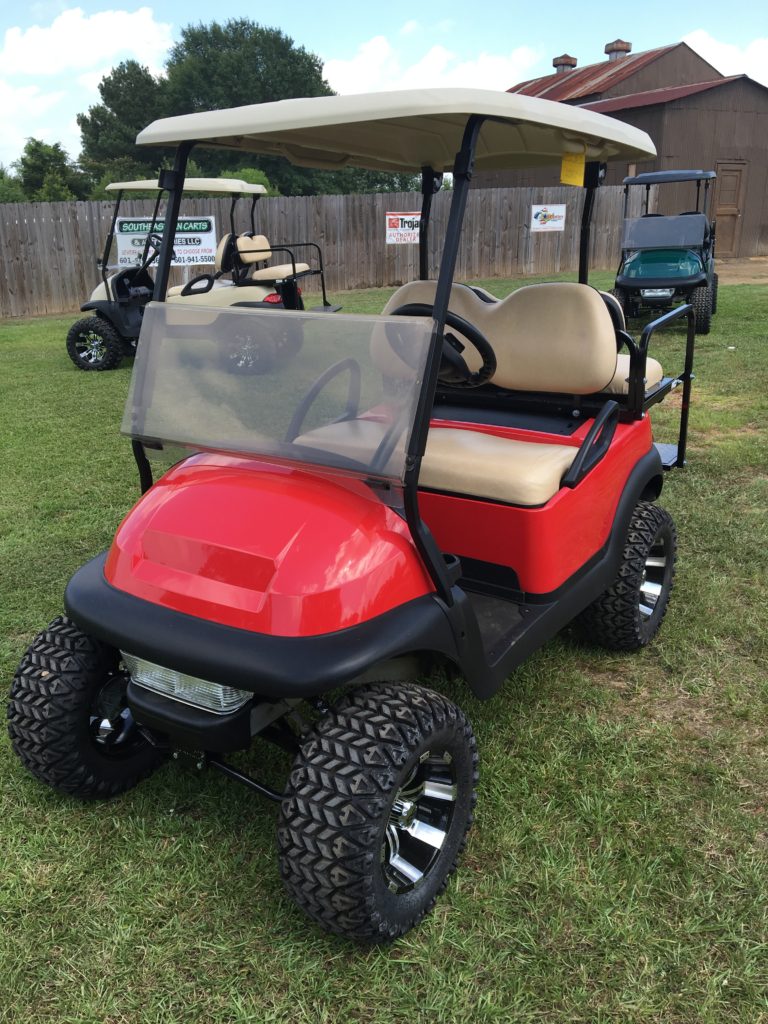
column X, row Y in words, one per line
column 222, row 700
column 657, row 293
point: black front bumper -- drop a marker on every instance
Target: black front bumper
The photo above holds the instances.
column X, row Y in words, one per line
column 273, row 667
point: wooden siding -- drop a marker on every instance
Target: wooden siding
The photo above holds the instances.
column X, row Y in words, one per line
column 48, row 251
column 729, row 123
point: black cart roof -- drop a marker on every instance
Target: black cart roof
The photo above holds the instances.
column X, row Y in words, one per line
column 664, row 177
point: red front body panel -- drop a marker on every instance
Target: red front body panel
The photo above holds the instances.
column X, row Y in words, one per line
column 548, row 544
column 266, row 548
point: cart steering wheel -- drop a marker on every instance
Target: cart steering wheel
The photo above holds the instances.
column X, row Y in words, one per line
column 454, row 370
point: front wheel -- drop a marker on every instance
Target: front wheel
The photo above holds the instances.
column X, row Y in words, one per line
column 68, row 719
column 702, row 309
column 629, row 613
column 94, row 344
column 377, row 809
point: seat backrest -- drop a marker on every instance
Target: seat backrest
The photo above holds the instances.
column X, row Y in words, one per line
column 556, row 338
column 223, row 259
column 253, row 249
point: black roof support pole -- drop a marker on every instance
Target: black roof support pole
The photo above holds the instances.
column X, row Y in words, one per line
column 173, row 183
column 593, row 176
column 423, row 539
column 108, row 244
column 430, row 183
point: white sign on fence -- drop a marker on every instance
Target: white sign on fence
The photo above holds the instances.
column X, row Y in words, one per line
column 548, row 218
column 195, row 241
column 403, row 228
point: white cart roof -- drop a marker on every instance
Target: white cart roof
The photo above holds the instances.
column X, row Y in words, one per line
column 407, row 130
column 232, row 186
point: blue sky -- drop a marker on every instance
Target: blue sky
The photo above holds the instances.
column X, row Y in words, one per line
column 53, row 53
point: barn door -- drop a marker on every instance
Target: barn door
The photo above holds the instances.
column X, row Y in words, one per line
column 731, row 180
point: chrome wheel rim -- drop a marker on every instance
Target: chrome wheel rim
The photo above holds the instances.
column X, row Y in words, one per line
column 653, row 580
column 90, row 347
column 419, row 822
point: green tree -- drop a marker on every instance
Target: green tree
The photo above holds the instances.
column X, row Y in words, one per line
column 10, row 187
column 253, row 176
column 214, row 66
column 131, row 98
column 46, row 172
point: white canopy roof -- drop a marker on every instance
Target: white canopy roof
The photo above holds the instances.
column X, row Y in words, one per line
column 407, row 130
column 233, row 186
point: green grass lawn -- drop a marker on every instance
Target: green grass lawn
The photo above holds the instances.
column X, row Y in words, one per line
column 618, row 867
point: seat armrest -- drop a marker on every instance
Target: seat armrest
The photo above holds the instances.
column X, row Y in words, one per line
column 595, row 444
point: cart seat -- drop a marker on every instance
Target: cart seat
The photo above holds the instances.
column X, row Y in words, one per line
column 620, row 383
column 495, row 468
column 554, row 337
column 252, row 249
column 463, row 461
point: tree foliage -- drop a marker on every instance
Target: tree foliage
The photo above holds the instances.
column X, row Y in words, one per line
column 131, row 98
column 215, row 66
column 46, row 173
column 10, row 187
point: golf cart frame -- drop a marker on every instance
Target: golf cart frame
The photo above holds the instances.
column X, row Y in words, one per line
column 367, row 567
column 120, row 299
column 680, row 248
column 126, row 293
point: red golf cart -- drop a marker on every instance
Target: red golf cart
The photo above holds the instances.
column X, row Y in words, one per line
column 451, row 482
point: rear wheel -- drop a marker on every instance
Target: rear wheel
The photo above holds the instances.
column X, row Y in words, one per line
column 629, row 613
column 376, row 810
column 702, row 308
column 94, row 344
column 68, row 719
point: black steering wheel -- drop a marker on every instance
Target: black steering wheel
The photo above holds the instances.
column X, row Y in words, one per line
column 453, row 367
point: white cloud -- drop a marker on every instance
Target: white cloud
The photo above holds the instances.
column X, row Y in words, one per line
column 376, row 65
column 730, row 59
column 75, row 41
column 409, row 28
column 20, row 108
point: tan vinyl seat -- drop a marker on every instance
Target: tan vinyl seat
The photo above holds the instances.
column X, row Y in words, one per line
column 252, row 249
column 496, row 468
column 547, row 338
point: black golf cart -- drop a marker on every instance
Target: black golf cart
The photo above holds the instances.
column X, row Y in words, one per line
column 669, row 259
column 449, row 483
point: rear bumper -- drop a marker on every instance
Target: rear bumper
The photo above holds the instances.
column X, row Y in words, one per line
column 270, row 666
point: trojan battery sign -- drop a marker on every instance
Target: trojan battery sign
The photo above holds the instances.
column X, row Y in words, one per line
column 403, row 228
column 194, row 244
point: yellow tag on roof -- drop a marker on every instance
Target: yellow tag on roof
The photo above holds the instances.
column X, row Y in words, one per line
column 572, row 168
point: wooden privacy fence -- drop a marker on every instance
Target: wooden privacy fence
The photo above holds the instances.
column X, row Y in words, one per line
column 48, row 251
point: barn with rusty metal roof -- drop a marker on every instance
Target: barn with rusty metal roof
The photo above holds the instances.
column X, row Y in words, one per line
column 696, row 116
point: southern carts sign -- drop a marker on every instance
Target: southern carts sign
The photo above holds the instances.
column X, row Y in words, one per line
column 195, row 241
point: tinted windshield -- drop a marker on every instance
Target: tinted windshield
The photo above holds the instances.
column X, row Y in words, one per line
column 652, row 232
column 667, row 263
column 337, row 391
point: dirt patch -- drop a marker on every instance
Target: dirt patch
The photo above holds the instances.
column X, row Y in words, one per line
column 749, row 270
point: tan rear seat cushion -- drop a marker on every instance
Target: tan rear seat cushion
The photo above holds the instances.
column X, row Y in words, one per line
column 279, row 272
column 620, row 386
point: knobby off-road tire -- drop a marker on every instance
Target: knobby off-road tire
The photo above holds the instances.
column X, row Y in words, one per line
column 67, row 717
column 94, row 344
column 629, row 613
column 702, row 309
column 388, row 763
